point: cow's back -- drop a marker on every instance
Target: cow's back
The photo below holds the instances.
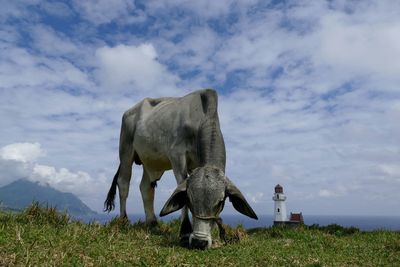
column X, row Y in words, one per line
column 165, row 125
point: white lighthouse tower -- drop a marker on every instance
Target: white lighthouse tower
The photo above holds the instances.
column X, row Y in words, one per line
column 280, row 206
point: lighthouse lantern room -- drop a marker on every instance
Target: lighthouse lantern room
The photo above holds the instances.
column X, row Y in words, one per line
column 280, row 206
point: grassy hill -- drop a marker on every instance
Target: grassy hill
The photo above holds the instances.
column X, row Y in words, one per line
column 19, row 194
column 43, row 237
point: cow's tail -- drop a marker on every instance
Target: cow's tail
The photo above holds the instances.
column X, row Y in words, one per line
column 109, row 203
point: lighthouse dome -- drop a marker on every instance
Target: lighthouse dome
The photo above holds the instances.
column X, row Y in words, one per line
column 278, row 189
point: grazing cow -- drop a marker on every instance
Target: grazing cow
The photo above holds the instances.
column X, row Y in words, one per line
column 182, row 134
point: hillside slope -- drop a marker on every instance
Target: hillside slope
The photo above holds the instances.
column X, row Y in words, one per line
column 19, row 194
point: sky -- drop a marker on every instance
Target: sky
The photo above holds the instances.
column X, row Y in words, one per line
column 309, row 94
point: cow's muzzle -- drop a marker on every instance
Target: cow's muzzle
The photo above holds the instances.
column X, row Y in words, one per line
column 199, row 240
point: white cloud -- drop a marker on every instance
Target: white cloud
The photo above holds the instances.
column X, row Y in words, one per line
column 17, row 9
column 104, row 11
column 256, row 197
column 21, row 68
column 56, row 8
column 12, row 170
column 51, row 43
column 391, row 172
column 202, row 9
column 23, row 152
column 326, row 193
column 356, row 44
column 79, row 183
column 133, row 68
column 313, row 46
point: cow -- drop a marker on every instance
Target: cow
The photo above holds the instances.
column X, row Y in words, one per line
column 182, row 134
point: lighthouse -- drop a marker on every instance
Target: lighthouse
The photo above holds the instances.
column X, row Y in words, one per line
column 280, row 206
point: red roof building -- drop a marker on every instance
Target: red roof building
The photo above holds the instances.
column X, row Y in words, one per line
column 296, row 217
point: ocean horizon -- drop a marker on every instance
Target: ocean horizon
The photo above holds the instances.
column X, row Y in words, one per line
column 363, row 222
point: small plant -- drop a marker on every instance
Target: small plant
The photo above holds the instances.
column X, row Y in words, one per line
column 335, row 229
column 276, row 232
column 225, row 234
column 118, row 223
column 35, row 213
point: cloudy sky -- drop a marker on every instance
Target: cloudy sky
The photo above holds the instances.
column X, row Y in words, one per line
column 309, row 94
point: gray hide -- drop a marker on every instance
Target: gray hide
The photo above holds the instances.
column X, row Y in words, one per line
column 181, row 134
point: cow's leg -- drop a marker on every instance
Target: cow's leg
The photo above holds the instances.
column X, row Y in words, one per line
column 126, row 157
column 180, row 171
column 147, row 188
column 123, row 188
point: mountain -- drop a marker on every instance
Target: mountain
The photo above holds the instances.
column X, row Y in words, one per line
column 21, row 193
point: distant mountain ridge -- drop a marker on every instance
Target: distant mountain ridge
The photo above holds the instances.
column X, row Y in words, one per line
column 20, row 194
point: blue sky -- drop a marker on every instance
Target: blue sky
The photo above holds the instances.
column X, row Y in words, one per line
column 309, row 94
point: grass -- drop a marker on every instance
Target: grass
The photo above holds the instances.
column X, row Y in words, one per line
column 44, row 237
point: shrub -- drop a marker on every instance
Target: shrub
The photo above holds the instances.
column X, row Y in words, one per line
column 35, row 213
column 335, row 229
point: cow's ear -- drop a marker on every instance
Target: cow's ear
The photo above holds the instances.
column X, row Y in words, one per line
column 238, row 200
column 176, row 201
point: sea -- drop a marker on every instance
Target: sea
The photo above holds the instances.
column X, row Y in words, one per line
column 364, row 223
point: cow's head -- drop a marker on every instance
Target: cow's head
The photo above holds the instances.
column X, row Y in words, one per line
column 204, row 192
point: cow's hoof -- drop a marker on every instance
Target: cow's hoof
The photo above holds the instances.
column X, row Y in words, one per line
column 184, row 241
